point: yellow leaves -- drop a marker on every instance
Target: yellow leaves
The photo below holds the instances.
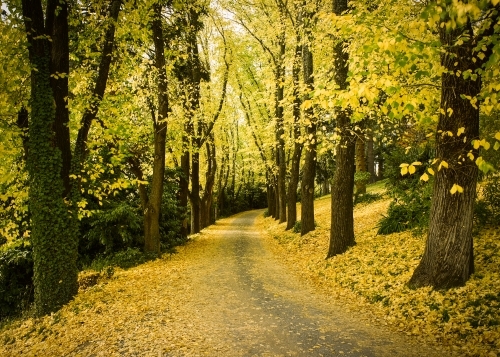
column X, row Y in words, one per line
column 306, row 104
column 497, row 143
column 456, row 188
column 352, row 277
column 484, row 165
column 460, row 131
column 442, row 164
column 424, row 177
column 405, row 168
column 481, row 143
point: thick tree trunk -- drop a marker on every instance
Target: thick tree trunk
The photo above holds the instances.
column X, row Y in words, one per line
column 57, row 28
column 152, row 212
column 448, row 257
column 54, row 228
column 297, row 146
column 342, row 229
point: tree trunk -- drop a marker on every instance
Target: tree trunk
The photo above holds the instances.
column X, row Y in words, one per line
column 54, row 233
column 184, row 187
column 448, row 257
column 195, row 191
column 360, row 164
column 271, row 199
column 152, row 212
column 309, row 169
column 280, row 132
column 342, row 229
column 297, row 146
column 92, row 109
column 370, row 159
column 206, row 200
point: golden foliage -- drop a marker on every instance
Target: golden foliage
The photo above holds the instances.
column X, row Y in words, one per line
column 373, row 274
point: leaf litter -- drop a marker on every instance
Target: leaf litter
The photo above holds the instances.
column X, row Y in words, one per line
column 223, row 294
column 372, row 276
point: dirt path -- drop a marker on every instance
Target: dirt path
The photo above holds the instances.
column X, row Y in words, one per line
column 225, row 294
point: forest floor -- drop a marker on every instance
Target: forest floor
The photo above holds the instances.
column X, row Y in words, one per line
column 227, row 292
column 247, row 287
column 372, row 277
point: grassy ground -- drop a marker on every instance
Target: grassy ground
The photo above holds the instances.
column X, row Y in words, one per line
column 373, row 276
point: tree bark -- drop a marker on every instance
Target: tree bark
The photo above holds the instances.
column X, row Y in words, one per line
column 152, row 211
column 184, row 186
column 297, row 146
column 448, row 256
column 360, row 164
column 54, row 233
column 370, row 159
column 309, row 168
column 342, row 223
column 207, row 199
column 342, row 219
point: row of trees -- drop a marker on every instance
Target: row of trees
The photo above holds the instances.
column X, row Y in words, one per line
column 378, row 65
column 103, row 100
column 244, row 99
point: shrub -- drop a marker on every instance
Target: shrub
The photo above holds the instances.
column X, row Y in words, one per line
column 87, row 279
column 487, row 209
column 412, row 198
column 124, row 259
column 367, row 198
column 114, row 228
column 172, row 214
column 16, row 280
column 297, row 227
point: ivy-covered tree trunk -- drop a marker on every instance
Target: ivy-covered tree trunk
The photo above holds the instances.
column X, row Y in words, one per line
column 54, row 226
column 448, row 257
column 342, row 222
column 297, row 146
column 152, row 210
column 309, row 168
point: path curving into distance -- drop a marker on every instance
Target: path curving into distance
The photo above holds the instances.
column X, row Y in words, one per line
column 225, row 294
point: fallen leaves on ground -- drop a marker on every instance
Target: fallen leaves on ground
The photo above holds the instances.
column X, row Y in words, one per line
column 373, row 275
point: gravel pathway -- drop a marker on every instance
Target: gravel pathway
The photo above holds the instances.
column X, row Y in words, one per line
column 224, row 294
column 256, row 307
